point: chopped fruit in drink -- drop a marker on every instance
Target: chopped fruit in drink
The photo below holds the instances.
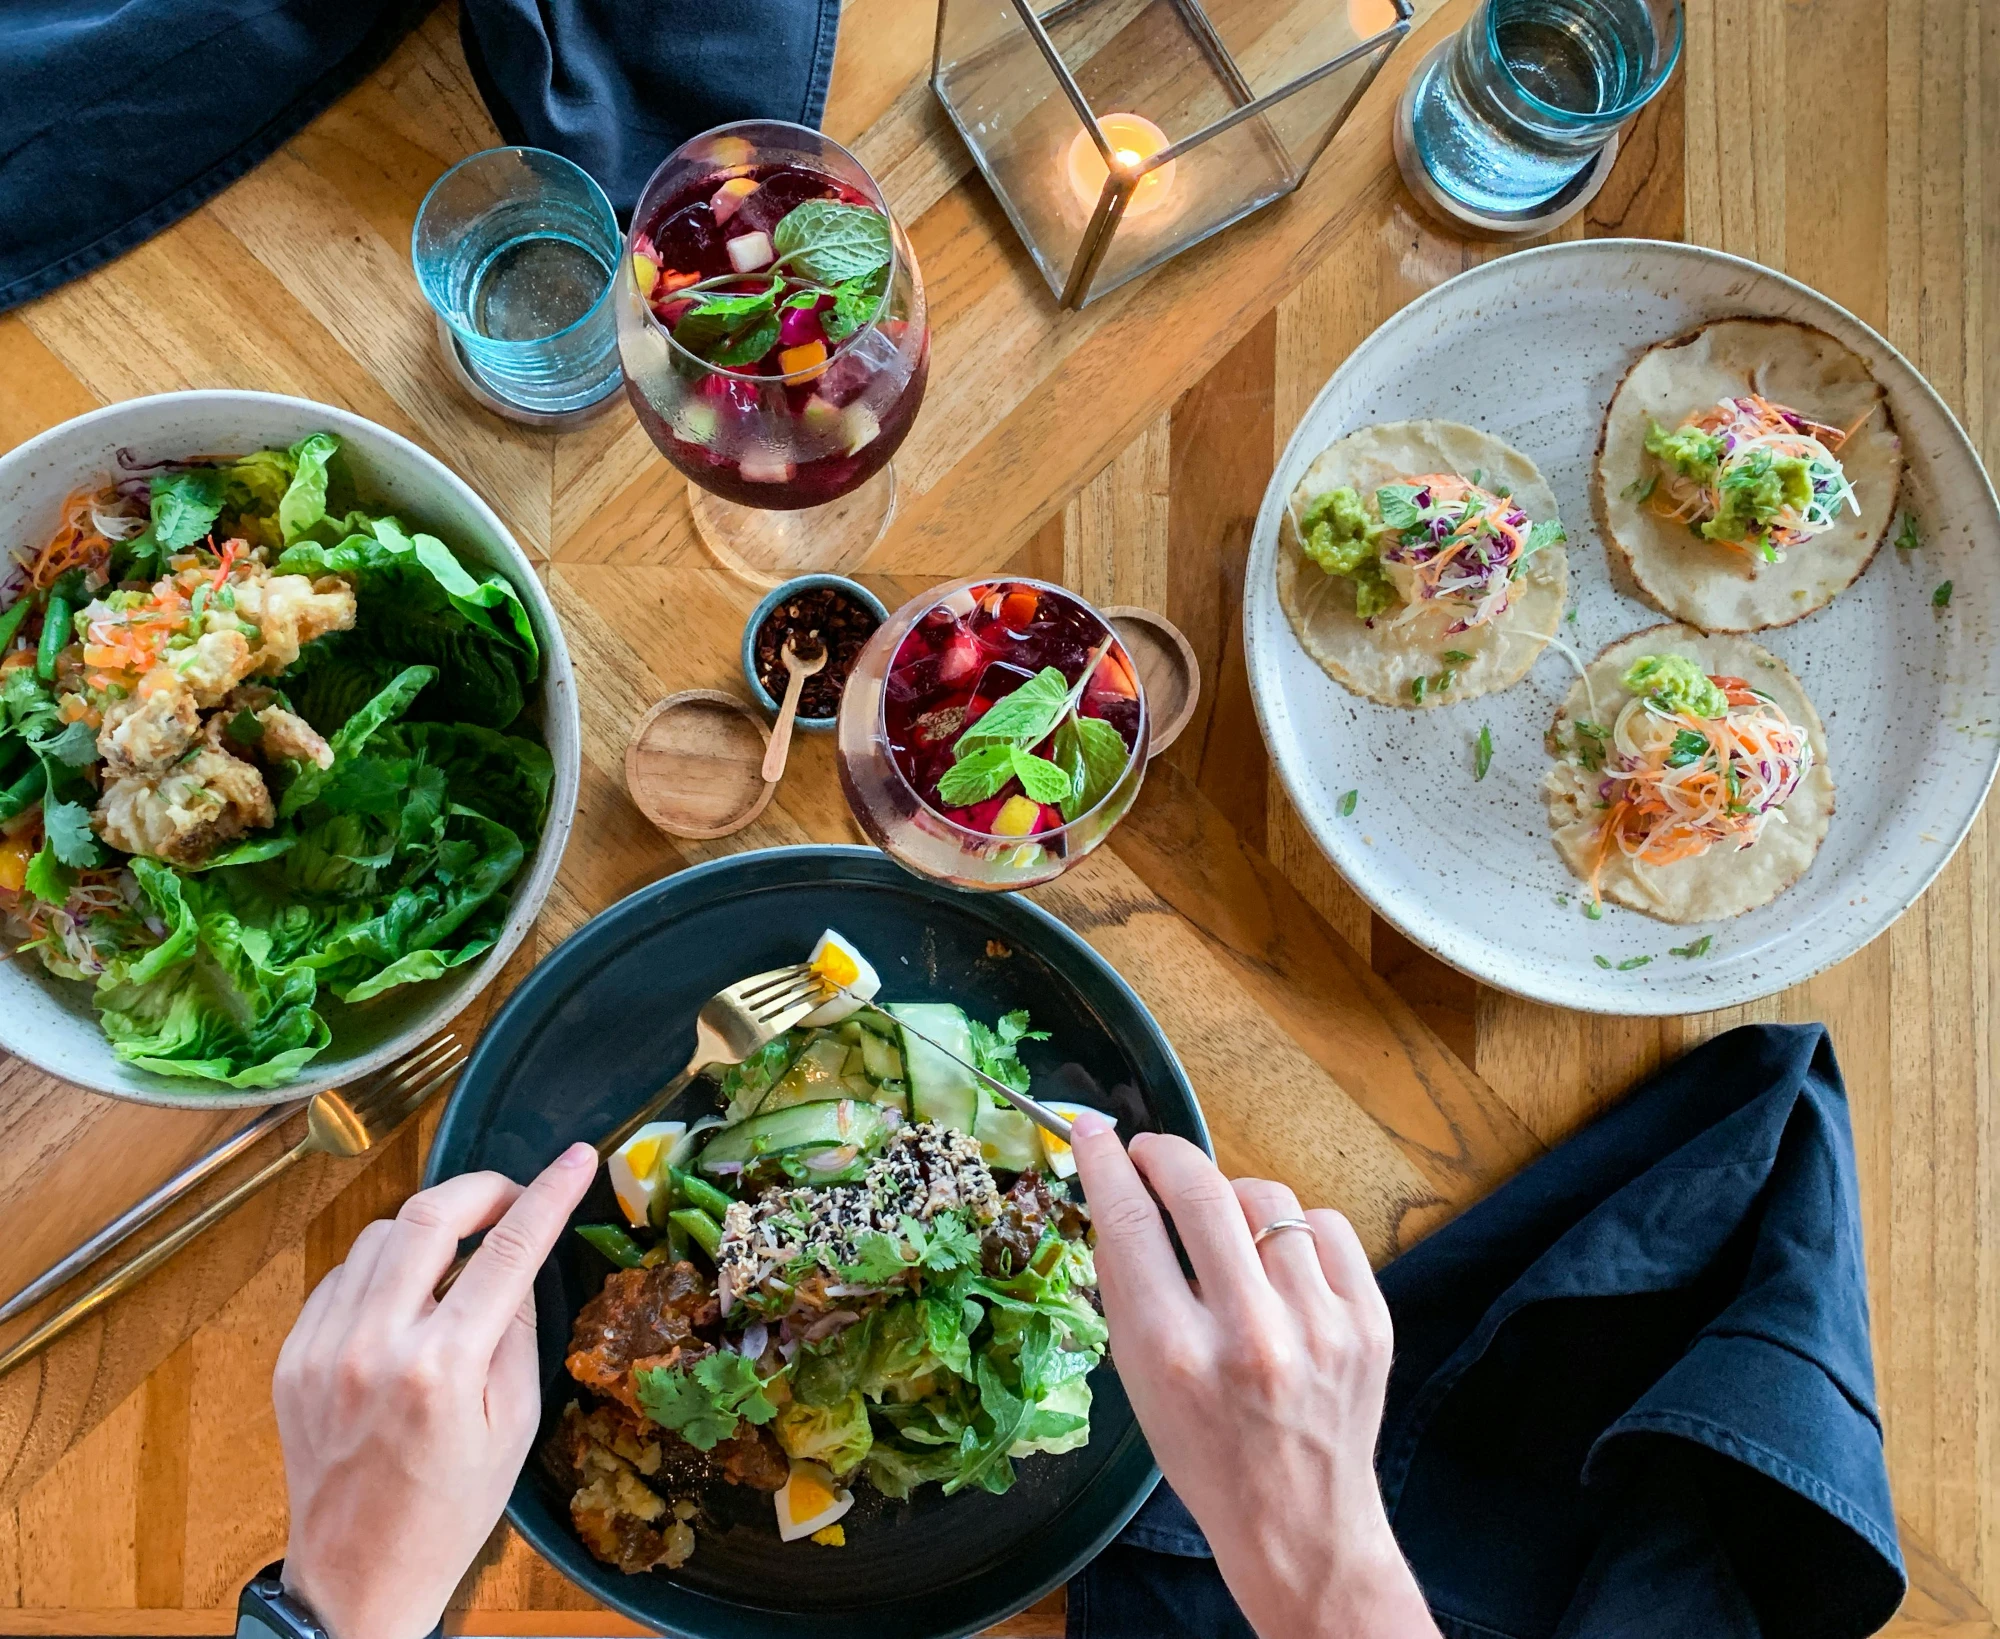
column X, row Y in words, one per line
column 730, row 196
column 961, row 603
column 799, row 325
column 732, row 151
column 750, row 251
column 806, row 362
column 671, row 313
column 862, row 428
column 820, row 419
column 764, row 468
column 696, row 422
column 671, row 281
column 645, row 264
column 1019, row 816
column 1017, row 608
column 844, row 379
column 1113, row 678
column 959, row 660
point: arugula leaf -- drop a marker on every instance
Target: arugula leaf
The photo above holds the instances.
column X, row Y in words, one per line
column 1025, row 717
column 1043, row 780
column 832, row 242
column 977, row 776
column 1094, row 754
column 704, row 1406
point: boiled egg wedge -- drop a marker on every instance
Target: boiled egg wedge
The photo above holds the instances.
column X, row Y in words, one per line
column 1062, row 1160
column 635, row 1168
column 836, row 960
column 810, row 1501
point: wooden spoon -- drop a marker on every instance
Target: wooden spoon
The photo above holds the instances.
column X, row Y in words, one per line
column 781, row 736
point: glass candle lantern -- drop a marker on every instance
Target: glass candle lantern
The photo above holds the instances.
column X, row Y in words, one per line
column 1117, row 132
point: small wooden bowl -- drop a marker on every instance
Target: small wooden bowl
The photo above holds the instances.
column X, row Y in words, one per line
column 694, row 764
column 1168, row 670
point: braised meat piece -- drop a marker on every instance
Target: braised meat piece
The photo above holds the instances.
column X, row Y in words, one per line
column 1026, row 1211
column 752, row 1456
column 642, row 1318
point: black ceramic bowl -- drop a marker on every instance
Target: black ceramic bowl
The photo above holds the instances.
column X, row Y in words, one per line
column 609, row 1016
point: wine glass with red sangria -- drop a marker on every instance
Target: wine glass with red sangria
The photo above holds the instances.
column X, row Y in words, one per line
column 992, row 733
column 772, row 326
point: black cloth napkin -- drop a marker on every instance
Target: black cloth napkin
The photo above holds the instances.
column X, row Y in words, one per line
column 119, row 117
column 1632, row 1392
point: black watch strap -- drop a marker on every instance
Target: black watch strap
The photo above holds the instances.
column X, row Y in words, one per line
column 265, row 1611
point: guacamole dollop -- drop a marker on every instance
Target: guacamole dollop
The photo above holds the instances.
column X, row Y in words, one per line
column 1677, row 684
column 1337, row 534
column 1688, row 450
column 1754, row 490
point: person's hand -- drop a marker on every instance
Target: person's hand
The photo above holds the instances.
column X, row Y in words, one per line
column 1260, row 1389
column 405, row 1420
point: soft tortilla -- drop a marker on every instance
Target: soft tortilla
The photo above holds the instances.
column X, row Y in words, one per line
column 1725, row 881
column 1703, row 582
column 1382, row 661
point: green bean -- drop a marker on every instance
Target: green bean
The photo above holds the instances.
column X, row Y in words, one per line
column 614, row 1243
column 703, row 1230
column 24, row 791
column 10, row 622
column 700, row 1192
column 55, row 637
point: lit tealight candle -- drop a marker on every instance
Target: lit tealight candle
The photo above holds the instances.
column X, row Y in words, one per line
column 1134, row 140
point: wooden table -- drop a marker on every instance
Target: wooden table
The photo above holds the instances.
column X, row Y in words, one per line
column 1122, row 451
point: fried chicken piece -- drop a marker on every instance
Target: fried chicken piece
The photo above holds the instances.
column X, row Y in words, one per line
column 643, row 1317
column 184, row 814
column 285, row 736
column 216, row 663
column 147, row 733
column 289, row 611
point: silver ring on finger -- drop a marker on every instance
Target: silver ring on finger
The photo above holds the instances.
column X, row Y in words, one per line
column 1279, row 1227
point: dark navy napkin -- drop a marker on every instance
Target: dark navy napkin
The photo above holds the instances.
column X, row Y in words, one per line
column 119, row 117
column 1632, row 1393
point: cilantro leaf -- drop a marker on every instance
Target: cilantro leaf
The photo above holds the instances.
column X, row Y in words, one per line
column 1941, row 598
column 67, row 826
column 977, row 775
column 994, row 1050
column 704, row 1406
column 1549, row 532
column 75, row 746
column 185, row 507
column 48, row 879
column 1688, row 747
column 880, row 1259
column 949, row 1243
column 1043, row 780
column 1094, row 754
column 832, row 242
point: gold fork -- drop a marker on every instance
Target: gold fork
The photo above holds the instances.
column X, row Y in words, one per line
column 731, row 1025
column 345, row 1122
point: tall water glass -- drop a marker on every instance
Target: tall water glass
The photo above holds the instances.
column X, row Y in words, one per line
column 1531, row 90
column 515, row 249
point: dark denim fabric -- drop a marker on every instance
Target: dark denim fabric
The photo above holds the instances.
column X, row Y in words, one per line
column 119, row 117
column 1633, row 1393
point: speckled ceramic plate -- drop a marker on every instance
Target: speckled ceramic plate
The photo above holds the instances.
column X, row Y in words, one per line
column 1530, row 348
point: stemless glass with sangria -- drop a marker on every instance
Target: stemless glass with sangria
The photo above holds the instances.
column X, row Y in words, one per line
column 992, row 733
column 773, row 332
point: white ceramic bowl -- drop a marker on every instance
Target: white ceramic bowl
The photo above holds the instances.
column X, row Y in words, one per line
column 1530, row 347
column 49, row 1021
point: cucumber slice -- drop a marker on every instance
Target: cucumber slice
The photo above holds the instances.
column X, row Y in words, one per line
column 872, row 1019
column 818, row 1072
column 940, row 1090
column 849, row 1032
column 894, row 1095
column 1008, row 1140
column 880, row 1060
column 824, row 1124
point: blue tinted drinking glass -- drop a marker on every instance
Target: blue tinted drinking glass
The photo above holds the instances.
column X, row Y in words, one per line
column 515, row 249
column 1523, row 99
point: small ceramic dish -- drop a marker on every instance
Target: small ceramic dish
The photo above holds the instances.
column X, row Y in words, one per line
column 755, row 624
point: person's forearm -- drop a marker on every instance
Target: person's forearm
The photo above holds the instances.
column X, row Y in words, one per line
column 1315, row 1589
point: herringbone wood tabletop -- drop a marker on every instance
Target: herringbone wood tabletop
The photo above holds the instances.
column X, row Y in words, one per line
column 1853, row 144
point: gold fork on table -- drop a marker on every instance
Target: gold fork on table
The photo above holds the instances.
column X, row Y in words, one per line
column 731, row 1025
column 345, row 1122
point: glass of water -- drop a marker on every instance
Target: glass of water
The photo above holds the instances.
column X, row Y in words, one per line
column 1510, row 112
column 515, row 249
